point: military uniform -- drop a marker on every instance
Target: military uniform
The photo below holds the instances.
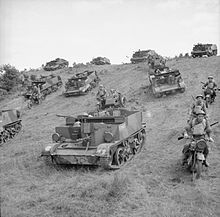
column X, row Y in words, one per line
column 210, row 86
column 198, row 128
column 196, row 106
column 101, row 95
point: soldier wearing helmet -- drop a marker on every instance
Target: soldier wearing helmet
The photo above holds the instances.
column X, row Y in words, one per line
column 198, row 105
column 116, row 95
column 101, row 94
column 198, row 128
column 36, row 91
column 210, row 86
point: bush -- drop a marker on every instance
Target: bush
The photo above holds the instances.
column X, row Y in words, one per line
column 10, row 78
column 33, row 77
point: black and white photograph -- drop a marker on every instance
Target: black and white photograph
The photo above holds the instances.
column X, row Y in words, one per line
column 109, row 108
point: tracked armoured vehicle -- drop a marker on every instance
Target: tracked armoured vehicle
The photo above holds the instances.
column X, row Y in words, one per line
column 81, row 83
column 109, row 139
column 100, row 61
column 46, row 85
column 52, row 84
column 148, row 56
column 58, row 63
column 200, row 50
column 10, row 124
column 166, row 81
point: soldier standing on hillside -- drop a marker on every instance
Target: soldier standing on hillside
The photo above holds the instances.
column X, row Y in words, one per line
column 101, row 95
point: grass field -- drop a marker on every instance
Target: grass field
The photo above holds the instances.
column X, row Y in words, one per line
column 152, row 184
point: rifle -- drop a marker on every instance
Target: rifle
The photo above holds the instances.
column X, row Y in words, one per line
column 193, row 97
column 181, row 137
column 214, row 123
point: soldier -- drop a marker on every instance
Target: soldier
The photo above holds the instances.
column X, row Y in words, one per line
column 210, row 85
column 36, row 90
column 157, row 72
column 198, row 128
column 36, row 93
column 114, row 93
column 101, row 95
column 198, row 105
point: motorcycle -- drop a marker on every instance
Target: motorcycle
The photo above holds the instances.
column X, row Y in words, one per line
column 208, row 96
column 34, row 99
column 196, row 157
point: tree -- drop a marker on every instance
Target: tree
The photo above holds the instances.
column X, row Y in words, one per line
column 10, row 77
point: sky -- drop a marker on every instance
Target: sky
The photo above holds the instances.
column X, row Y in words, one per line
column 33, row 32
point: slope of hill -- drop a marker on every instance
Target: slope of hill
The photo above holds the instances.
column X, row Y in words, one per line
column 152, row 184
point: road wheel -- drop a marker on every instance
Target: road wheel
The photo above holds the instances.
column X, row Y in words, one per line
column 18, row 127
column 140, row 137
column 119, row 157
column 127, row 151
column 158, row 95
column 30, row 104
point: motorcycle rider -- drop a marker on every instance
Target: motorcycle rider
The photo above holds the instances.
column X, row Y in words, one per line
column 197, row 128
column 210, row 85
column 101, row 95
column 197, row 106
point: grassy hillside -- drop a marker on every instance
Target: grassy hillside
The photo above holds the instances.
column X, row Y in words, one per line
column 152, row 184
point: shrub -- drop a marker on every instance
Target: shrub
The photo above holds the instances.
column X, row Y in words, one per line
column 10, row 77
column 33, row 77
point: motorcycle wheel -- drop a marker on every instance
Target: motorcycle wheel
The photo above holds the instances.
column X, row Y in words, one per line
column 198, row 169
column 29, row 105
column 206, row 103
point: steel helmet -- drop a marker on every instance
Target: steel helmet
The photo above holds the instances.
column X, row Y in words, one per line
column 101, row 86
column 77, row 124
column 210, row 77
column 199, row 95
